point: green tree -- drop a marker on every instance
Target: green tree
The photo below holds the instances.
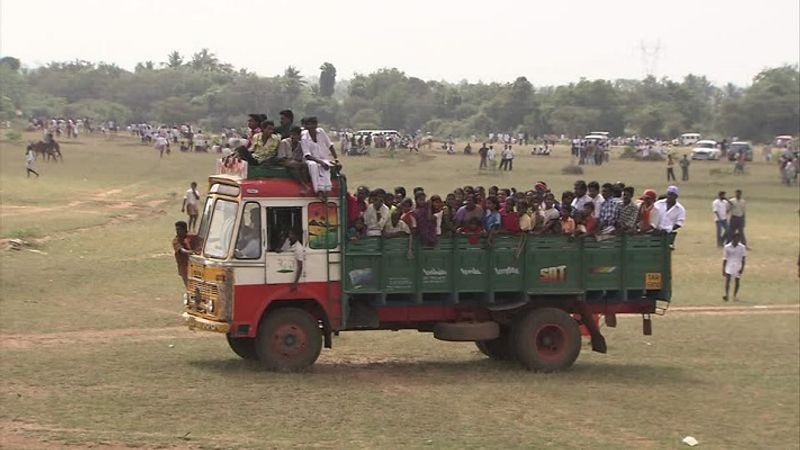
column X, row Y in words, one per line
column 327, row 80
column 174, row 60
column 292, row 86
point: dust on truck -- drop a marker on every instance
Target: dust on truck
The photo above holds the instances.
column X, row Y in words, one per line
column 526, row 298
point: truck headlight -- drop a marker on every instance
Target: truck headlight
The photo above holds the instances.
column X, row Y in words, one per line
column 185, row 299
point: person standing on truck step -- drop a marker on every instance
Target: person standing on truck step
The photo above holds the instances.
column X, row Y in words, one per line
column 190, row 201
column 733, row 260
column 672, row 214
column 721, row 208
column 299, row 256
column 320, row 156
column 182, row 247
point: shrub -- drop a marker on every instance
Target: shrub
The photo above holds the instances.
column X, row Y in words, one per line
column 13, row 136
column 572, row 169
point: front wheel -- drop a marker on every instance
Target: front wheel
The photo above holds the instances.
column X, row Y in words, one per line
column 289, row 339
column 244, row 347
column 546, row 340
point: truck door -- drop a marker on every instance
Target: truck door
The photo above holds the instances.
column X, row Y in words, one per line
column 250, row 245
column 280, row 263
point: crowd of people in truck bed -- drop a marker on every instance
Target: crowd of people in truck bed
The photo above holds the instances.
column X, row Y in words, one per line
column 588, row 210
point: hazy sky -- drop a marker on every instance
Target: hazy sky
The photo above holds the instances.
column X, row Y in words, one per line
column 549, row 42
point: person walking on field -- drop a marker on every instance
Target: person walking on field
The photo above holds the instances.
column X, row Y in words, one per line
column 720, row 207
column 30, row 158
column 684, row 163
column 738, row 210
column 190, row 201
column 670, row 169
column 733, row 261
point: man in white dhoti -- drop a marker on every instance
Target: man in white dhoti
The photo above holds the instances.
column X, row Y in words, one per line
column 320, row 156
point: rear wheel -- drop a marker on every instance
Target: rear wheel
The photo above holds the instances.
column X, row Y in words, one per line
column 546, row 340
column 289, row 339
column 500, row 349
column 243, row 346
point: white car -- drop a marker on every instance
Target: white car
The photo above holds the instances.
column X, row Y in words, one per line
column 705, row 149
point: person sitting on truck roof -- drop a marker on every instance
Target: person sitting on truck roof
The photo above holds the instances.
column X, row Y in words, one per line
column 320, row 156
column 290, row 155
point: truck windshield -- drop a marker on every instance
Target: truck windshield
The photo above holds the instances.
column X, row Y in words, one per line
column 220, row 228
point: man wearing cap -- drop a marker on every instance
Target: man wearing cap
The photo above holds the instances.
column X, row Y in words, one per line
column 672, row 215
column 648, row 215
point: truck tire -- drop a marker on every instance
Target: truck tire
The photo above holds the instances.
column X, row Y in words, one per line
column 243, row 346
column 466, row 331
column 499, row 349
column 289, row 340
column 546, row 340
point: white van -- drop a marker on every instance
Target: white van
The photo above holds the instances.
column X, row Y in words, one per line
column 688, row 139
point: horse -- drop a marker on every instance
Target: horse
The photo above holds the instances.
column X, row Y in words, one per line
column 48, row 150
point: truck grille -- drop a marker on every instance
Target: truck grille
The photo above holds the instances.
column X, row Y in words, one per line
column 200, row 293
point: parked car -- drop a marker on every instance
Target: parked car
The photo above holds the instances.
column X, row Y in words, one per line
column 689, row 138
column 740, row 147
column 705, row 149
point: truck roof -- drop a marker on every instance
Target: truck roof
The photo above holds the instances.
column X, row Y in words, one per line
column 275, row 182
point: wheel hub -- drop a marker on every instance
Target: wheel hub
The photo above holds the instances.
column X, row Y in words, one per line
column 550, row 341
column 288, row 340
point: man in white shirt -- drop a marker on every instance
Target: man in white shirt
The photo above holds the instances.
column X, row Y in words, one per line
column 596, row 196
column 376, row 215
column 720, row 207
column 190, row 201
column 671, row 214
column 319, row 154
column 491, row 156
column 733, row 260
column 580, row 196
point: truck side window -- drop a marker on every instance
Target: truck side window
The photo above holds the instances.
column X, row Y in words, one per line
column 279, row 221
column 248, row 241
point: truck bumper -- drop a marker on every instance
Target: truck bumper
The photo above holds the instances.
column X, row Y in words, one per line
column 199, row 323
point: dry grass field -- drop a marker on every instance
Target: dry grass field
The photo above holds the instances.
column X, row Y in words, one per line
column 92, row 352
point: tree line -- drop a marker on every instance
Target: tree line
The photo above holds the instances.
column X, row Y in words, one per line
column 202, row 89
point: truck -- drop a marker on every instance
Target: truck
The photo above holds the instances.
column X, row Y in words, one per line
column 524, row 298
